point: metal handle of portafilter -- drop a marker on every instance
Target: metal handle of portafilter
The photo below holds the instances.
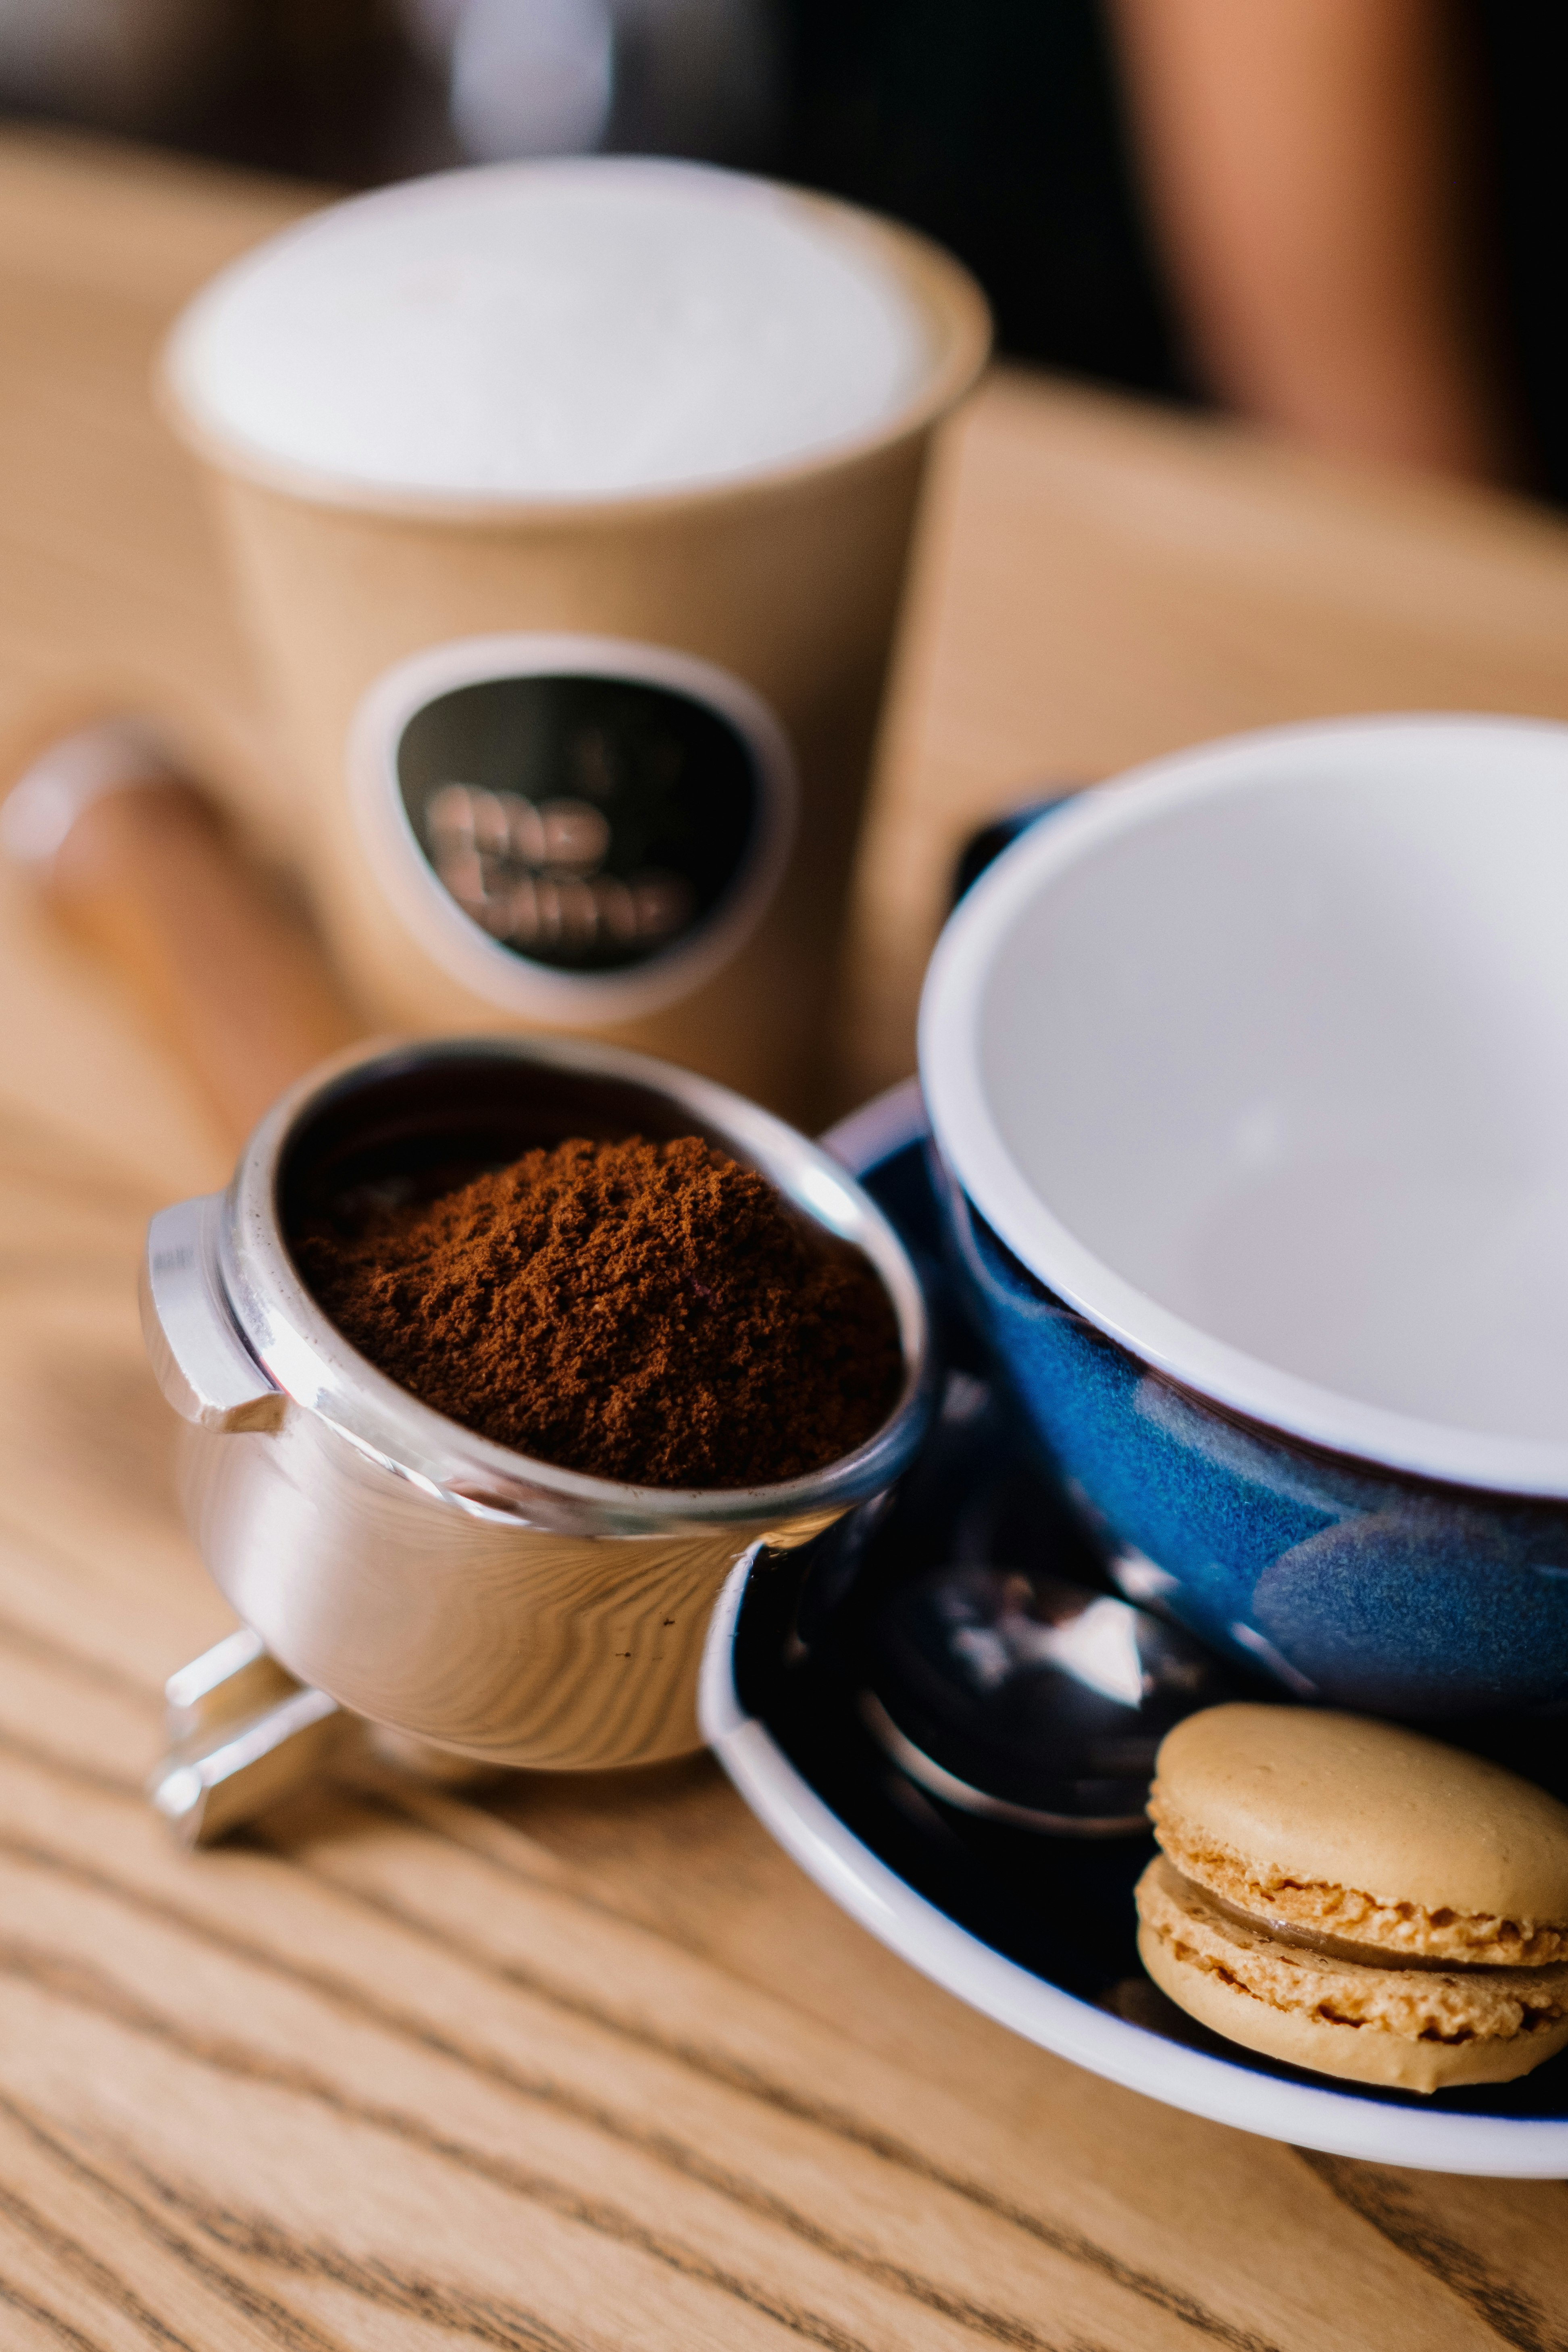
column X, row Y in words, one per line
column 140, row 864
column 243, row 1733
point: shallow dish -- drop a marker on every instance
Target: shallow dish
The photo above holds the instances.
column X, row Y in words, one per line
column 1244, row 1073
column 1035, row 1932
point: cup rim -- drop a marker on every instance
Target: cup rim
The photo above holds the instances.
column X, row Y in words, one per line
column 943, row 289
column 975, row 1150
column 319, row 1369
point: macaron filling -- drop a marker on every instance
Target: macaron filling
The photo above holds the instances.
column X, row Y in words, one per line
column 1361, row 1926
column 1421, row 2003
column 1329, row 1947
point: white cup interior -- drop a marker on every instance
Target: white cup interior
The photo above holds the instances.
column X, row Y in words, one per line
column 1261, row 1058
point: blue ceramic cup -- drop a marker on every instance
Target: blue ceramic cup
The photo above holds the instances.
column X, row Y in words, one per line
column 1249, row 1081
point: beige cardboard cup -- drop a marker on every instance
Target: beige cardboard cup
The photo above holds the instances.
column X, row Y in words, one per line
column 786, row 581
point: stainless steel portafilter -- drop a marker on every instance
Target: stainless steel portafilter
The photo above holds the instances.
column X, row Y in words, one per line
column 391, row 1569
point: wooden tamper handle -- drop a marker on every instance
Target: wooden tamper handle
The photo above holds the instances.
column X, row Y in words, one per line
column 140, row 864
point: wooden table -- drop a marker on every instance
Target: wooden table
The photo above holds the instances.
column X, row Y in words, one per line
column 592, row 2065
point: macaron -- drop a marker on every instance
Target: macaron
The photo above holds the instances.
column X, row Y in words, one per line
column 1357, row 1898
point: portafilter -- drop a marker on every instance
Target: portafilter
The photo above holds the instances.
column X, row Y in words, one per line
column 383, row 1559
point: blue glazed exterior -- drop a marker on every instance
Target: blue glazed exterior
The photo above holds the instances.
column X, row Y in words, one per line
column 1352, row 1584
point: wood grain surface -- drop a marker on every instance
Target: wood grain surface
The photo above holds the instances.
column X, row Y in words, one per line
column 589, row 2064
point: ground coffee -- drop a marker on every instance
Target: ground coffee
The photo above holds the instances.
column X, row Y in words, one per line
column 647, row 1312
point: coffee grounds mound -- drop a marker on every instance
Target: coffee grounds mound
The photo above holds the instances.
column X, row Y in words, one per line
column 647, row 1312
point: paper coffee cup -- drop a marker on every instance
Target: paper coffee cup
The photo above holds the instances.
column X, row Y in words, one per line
column 691, row 552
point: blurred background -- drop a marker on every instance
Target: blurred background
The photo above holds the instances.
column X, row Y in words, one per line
column 1341, row 217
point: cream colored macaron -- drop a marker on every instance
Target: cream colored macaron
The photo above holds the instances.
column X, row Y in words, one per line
column 1357, row 1898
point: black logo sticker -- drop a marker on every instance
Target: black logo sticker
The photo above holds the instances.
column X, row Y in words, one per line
column 589, row 823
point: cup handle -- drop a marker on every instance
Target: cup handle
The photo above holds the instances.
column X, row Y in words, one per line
column 202, row 1365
